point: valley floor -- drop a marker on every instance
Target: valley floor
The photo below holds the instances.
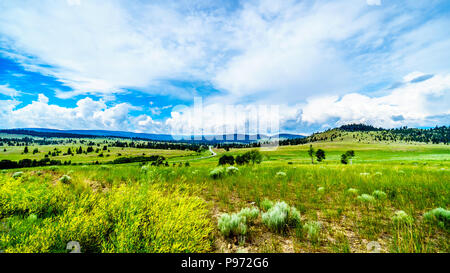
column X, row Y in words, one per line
column 134, row 208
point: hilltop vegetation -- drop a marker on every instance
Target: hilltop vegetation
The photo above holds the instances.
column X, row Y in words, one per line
column 369, row 134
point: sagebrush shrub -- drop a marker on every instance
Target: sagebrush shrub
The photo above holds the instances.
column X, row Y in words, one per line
column 17, row 174
column 312, row 230
column 401, row 217
column 217, row 172
column 366, row 198
column 250, row 214
column 440, row 216
column 65, row 179
column 232, row 225
column 232, row 170
column 379, row 194
column 280, row 216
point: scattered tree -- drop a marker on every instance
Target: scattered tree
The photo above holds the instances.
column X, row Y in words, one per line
column 320, row 155
column 226, row 159
column 311, row 153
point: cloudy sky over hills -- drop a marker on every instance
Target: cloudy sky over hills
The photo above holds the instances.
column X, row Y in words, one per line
column 127, row 65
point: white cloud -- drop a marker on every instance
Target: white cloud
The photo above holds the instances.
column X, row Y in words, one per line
column 42, row 98
column 102, row 47
column 411, row 104
column 373, row 2
column 6, row 90
column 88, row 114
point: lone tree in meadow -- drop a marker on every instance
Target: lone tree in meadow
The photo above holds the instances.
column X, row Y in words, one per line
column 255, row 156
column 320, row 155
column 25, row 150
column 347, row 156
column 311, row 153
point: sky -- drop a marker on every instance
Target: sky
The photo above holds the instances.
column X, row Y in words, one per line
column 140, row 66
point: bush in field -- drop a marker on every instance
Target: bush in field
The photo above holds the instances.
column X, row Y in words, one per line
column 217, row 172
column 226, row 159
column 312, row 230
column 250, row 214
column 321, row 190
column 400, row 217
column 253, row 156
column 65, row 179
column 439, row 216
column 232, row 170
column 280, row 216
column 366, row 198
column 380, row 195
column 280, row 174
column 32, row 217
column 232, row 225
column 352, row 191
column 17, row 175
column 145, row 168
column 266, row 204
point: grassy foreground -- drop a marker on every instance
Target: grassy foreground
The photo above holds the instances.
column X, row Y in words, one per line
column 133, row 208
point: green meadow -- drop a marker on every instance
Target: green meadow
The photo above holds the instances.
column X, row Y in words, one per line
column 386, row 197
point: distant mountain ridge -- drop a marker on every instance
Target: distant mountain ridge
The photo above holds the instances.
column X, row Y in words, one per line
column 232, row 138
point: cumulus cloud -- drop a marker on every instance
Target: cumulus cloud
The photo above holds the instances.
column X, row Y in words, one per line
column 88, row 114
column 415, row 103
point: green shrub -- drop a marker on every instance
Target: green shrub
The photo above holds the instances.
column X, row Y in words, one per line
column 216, row 173
column 280, row 174
column 280, row 216
column 232, row 225
column 17, row 175
column 380, row 195
column 232, row 170
column 401, row 217
column 250, row 214
column 312, row 230
column 65, row 179
column 440, row 216
column 32, row 217
column 366, row 198
column 352, row 191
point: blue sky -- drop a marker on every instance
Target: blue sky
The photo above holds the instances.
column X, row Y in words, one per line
column 129, row 65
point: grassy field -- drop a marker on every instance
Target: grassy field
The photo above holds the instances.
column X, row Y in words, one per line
column 134, row 208
column 16, row 153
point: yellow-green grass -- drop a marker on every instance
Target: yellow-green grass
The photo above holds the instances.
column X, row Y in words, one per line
column 415, row 179
column 16, row 153
column 364, row 153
